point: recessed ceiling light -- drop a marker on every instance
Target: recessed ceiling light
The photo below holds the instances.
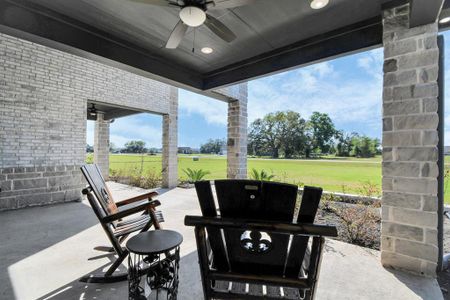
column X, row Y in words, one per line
column 444, row 20
column 192, row 16
column 207, row 50
column 318, row 4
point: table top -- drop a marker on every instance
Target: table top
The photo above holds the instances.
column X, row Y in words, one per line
column 154, row 242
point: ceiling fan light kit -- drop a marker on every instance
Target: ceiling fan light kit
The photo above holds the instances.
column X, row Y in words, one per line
column 192, row 16
column 207, row 50
column 318, row 4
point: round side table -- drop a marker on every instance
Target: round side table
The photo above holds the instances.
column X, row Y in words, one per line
column 154, row 259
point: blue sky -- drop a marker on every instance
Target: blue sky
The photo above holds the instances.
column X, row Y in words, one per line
column 347, row 88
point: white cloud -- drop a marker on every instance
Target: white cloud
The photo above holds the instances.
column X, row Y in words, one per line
column 372, row 63
column 323, row 88
column 127, row 129
column 212, row 110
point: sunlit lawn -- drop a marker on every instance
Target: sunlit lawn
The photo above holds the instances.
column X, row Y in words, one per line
column 332, row 174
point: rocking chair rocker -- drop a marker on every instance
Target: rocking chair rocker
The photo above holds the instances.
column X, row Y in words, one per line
column 111, row 214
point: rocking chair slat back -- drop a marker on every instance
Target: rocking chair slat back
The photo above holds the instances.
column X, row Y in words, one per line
column 308, row 209
column 95, row 179
column 208, row 208
column 254, row 252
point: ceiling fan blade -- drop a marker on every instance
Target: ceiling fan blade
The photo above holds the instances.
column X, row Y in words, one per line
column 155, row 2
column 177, row 35
column 219, row 29
column 231, row 3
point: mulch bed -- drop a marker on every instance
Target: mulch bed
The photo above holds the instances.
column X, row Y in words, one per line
column 327, row 216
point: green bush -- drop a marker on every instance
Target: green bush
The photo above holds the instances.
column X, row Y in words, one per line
column 195, row 175
column 147, row 180
column 89, row 158
column 261, row 175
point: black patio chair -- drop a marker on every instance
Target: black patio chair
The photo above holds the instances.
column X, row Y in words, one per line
column 255, row 248
column 111, row 215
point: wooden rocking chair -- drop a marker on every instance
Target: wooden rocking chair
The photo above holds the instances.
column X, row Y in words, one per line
column 255, row 248
column 111, row 214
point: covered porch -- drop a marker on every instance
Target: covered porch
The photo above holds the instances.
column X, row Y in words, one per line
column 44, row 259
column 51, row 249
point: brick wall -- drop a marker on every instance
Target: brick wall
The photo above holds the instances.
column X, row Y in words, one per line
column 237, row 133
column 410, row 139
column 101, row 144
column 170, row 144
column 43, row 94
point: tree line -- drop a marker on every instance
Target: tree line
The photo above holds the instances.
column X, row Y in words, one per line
column 129, row 147
column 286, row 134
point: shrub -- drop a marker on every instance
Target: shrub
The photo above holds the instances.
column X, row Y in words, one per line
column 360, row 225
column 195, row 175
column 148, row 180
column 369, row 189
column 261, row 175
column 89, row 158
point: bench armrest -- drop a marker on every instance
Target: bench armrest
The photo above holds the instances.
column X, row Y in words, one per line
column 132, row 210
column 148, row 196
column 270, row 226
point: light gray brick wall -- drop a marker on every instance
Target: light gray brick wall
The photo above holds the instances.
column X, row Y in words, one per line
column 410, row 139
column 101, row 145
column 170, row 143
column 237, row 133
column 43, row 96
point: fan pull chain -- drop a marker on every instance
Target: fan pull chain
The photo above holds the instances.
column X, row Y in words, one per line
column 193, row 42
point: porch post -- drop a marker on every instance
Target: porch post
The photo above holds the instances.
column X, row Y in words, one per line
column 170, row 142
column 409, row 238
column 237, row 136
column 101, row 144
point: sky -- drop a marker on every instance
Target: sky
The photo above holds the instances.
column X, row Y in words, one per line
column 348, row 89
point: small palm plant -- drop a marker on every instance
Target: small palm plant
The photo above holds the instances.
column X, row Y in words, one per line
column 195, row 175
column 261, row 175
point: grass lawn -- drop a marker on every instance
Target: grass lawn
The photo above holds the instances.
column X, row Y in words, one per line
column 332, row 174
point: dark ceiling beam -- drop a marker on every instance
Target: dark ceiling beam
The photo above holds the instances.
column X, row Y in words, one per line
column 33, row 22
column 424, row 12
column 115, row 114
column 355, row 38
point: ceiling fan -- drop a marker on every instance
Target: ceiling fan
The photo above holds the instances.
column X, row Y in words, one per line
column 193, row 14
column 93, row 111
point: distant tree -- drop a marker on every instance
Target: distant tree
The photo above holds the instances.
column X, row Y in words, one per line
column 213, row 146
column 343, row 145
column 323, row 132
column 89, row 148
column 112, row 147
column 364, row 146
column 277, row 133
column 152, row 151
column 134, row 147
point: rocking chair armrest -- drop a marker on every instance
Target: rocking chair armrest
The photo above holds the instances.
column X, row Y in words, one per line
column 148, row 196
column 270, row 226
column 132, row 210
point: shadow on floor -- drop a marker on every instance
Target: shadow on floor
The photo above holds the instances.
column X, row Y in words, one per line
column 28, row 231
column 189, row 287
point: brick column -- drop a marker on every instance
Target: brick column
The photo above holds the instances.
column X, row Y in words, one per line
column 237, row 136
column 410, row 139
column 101, row 145
column 170, row 142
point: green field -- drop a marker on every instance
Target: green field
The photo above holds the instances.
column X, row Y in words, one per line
column 332, row 174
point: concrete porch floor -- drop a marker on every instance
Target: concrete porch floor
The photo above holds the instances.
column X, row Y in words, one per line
column 45, row 250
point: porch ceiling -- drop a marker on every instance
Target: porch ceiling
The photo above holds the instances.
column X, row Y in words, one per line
column 109, row 111
column 271, row 35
